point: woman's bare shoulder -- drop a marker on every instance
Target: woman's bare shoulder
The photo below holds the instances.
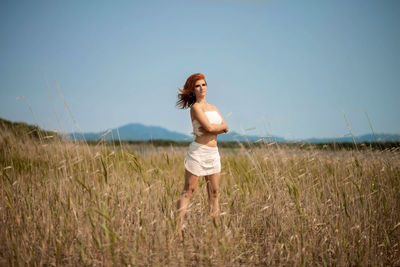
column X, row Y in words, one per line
column 195, row 107
column 211, row 107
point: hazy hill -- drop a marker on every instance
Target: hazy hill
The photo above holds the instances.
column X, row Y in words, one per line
column 234, row 136
column 138, row 131
column 381, row 137
column 22, row 129
column 134, row 131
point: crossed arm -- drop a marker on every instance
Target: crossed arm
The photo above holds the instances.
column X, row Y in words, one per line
column 206, row 126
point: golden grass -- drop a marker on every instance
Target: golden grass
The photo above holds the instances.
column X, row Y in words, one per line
column 72, row 204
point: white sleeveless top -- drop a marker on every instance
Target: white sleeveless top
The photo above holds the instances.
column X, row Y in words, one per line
column 212, row 116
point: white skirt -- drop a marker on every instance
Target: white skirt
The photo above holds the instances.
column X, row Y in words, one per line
column 202, row 160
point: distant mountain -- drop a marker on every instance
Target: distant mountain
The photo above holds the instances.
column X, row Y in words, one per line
column 234, row 136
column 133, row 131
column 138, row 132
column 359, row 139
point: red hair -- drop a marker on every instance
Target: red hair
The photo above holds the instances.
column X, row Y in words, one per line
column 186, row 97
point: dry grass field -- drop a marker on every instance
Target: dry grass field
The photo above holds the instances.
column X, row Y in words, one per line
column 63, row 203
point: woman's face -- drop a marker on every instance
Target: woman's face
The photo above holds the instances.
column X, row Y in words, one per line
column 200, row 88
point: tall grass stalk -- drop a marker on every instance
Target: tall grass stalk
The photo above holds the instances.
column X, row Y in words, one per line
column 67, row 203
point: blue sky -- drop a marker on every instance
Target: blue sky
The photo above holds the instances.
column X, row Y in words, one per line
column 286, row 68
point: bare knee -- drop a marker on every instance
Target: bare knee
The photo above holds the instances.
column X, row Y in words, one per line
column 188, row 192
column 214, row 192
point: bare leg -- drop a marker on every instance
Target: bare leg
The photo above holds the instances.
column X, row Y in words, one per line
column 213, row 192
column 190, row 185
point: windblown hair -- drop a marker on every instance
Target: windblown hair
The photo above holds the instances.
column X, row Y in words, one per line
column 187, row 97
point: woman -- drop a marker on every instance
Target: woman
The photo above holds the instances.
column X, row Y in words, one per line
column 202, row 157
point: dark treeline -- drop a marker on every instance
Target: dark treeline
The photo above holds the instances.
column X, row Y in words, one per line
column 237, row 144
